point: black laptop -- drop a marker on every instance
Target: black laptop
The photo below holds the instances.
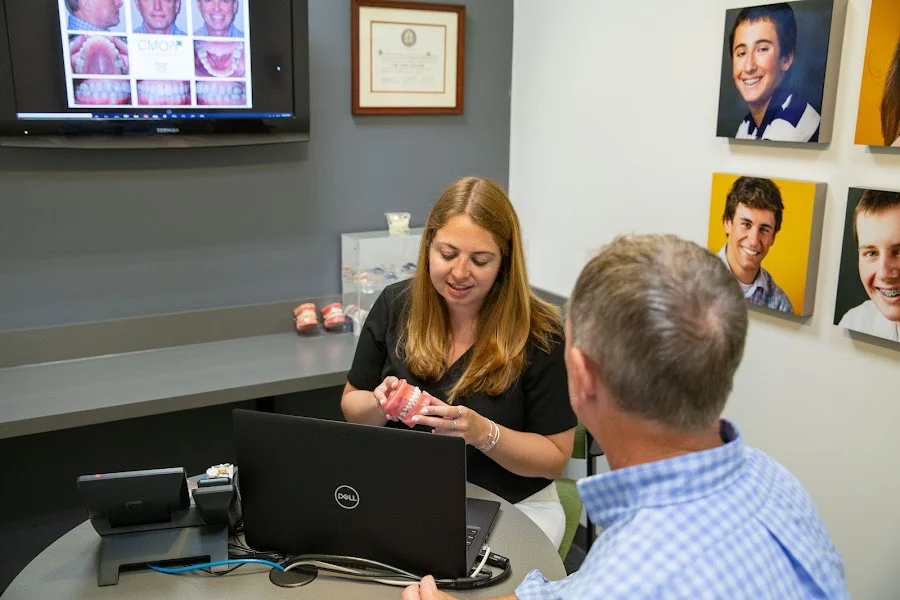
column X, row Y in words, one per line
column 310, row 486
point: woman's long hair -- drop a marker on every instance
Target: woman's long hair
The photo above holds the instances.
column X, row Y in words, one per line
column 510, row 315
column 890, row 102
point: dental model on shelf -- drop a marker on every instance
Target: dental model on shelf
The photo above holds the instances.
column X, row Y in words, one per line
column 306, row 318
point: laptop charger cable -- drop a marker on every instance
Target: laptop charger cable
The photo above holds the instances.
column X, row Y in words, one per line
column 378, row 572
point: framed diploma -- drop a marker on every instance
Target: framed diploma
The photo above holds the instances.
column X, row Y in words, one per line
column 407, row 57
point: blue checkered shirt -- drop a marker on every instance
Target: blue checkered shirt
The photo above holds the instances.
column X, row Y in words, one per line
column 77, row 24
column 728, row 522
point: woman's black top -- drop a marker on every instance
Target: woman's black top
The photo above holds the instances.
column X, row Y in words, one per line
column 537, row 402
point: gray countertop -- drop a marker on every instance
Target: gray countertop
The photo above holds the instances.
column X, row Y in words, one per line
column 150, row 365
column 58, row 395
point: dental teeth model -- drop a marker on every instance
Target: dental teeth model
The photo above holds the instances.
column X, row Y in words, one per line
column 305, row 318
column 405, row 401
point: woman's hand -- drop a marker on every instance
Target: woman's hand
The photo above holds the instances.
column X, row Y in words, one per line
column 425, row 590
column 381, row 393
column 458, row 421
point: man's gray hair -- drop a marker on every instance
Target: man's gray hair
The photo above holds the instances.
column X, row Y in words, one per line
column 664, row 322
column 73, row 5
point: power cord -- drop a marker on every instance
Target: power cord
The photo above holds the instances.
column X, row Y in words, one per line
column 487, row 553
column 370, row 570
column 349, row 567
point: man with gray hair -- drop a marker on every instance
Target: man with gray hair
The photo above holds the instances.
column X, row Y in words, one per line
column 654, row 334
column 93, row 15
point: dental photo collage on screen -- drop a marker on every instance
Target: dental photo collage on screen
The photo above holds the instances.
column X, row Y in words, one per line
column 157, row 53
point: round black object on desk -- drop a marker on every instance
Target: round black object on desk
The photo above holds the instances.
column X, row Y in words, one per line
column 296, row 577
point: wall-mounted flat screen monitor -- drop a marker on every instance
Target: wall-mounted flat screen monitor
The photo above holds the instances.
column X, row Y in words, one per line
column 122, row 73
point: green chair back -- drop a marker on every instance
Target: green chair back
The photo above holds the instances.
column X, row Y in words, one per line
column 571, row 503
column 568, row 495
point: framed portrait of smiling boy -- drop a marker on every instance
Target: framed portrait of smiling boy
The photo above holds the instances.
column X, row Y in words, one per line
column 779, row 71
column 868, row 295
column 768, row 232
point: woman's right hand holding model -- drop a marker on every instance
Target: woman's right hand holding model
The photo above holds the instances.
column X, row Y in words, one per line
column 363, row 406
column 382, row 391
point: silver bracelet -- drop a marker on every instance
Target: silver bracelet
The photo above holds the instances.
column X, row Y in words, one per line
column 492, row 437
column 496, row 439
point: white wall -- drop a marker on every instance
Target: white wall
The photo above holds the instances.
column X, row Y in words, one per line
column 613, row 130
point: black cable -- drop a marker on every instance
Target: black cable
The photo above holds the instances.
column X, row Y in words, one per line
column 466, row 583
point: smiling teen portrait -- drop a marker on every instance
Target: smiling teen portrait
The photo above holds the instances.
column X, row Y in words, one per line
column 469, row 330
column 753, row 214
column 868, row 299
column 773, row 71
column 768, row 233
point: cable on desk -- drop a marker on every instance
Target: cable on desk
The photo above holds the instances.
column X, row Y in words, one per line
column 487, row 552
column 218, row 563
column 374, row 571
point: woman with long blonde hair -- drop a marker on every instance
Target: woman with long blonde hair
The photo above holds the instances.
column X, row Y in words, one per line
column 890, row 102
column 469, row 330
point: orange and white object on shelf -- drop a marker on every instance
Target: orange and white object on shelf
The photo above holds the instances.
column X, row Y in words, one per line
column 305, row 317
column 333, row 316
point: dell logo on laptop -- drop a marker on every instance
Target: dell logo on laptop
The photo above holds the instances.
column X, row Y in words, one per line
column 346, row 497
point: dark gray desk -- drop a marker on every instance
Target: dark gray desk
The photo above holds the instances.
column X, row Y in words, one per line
column 59, row 395
column 67, row 570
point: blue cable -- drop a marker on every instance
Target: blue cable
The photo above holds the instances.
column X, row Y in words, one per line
column 218, row 563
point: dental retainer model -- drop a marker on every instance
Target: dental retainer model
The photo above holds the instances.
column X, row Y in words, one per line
column 405, row 401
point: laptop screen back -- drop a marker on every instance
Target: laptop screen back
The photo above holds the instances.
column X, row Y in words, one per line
column 311, row 486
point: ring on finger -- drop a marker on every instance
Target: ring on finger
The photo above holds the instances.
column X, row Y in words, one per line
column 459, row 412
column 453, row 426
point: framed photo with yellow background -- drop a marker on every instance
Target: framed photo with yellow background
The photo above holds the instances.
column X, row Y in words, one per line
column 768, row 232
column 878, row 117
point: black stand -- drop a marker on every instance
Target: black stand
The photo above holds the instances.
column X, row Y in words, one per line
column 185, row 544
column 296, row 577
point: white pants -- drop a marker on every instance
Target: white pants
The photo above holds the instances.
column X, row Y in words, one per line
column 545, row 509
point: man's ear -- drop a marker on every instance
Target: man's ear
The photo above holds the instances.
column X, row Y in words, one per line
column 582, row 378
column 786, row 62
column 727, row 223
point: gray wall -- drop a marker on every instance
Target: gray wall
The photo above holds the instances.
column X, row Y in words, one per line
column 95, row 235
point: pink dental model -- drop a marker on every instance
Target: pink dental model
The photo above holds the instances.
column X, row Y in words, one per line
column 405, row 401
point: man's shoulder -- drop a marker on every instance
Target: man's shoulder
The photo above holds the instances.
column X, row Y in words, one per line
column 771, row 474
